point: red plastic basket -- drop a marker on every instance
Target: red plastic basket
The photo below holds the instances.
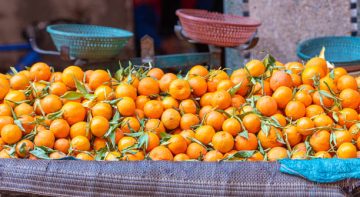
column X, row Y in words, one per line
column 216, row 28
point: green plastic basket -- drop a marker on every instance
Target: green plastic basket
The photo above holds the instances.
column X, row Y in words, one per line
column 339, row 50
column 89, row 41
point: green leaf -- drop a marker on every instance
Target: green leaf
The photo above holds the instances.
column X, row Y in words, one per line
column 71, row 95
column 55, row 115
column 235, row 88
column 240, row 154
column 42, row 152
column 19, row 124
column 80, row 86
column 265, row 128
column 261, row 149
column 279, row 138
column 335, row 116
column 332, row 74
column 90, row 96
column 244, row 134
column 100, row 154
column 143, row 141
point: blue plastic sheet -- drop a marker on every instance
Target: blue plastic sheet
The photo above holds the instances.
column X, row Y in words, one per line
column 322, row 170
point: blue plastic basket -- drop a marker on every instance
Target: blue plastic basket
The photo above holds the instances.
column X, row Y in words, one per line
column 89, row 41
column 339, row 50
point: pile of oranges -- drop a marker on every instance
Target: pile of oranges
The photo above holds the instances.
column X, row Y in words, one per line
column 263, row 112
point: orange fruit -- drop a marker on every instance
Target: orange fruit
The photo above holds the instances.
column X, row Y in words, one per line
column 237, row 101
column 19, row 82
column 266, row 105
column 323, row 120
column 79, row 128
column 104, row 92
column 305, row 126
column 99, row 126
column 303, row 97
column 214, row 119
column 165, row 81
column 98, row 78
column 292, row 135
column 206, row 99
column 232, row 126
column 213, row 156
column 153, row 141
column 27, row 122
column 346, row 150
column 102, row 109
column 148, row 86
column 5, row 110
column 221, row 99
column 50, row 103
column 355, row 131
column 282, row 96
column 171, row 119
column 54, row 77
column 177, row 144
column 280, row 119
column 187, row 134
column 14, row 96
column 156, row 73
column 223, row 141
column 326, row 101
column 154, row 125
column 85, row 156
column 161, row 153
column 348, row 117
column 309, row 73
column 130, row 124
column 313, row 110
column 204, row 134
column 188, row 106
column 295, row 110
column 125, row 90
column 23, row 148
column 133, row 80
column 322, row 154
column 112, row 156
column 277, row 153
column 350, row 98
column 346, row 81
column 243, row 82
column 338, row 72
column 126, row 106
column 195, row 151
column 4, row 87
column 40, row 71
column 251, row 143
column 252, row 123
column 60, row 128
column 320, row 140
column 271, row 140
column 198, row 85
column 57, row 155
column 342, row 136
column 187, row 121
column 80, row 143
column 326, row 82
column 23, row 109
column 153, row 109
column 180, row 89
column 58, row 88
column 11, row 134
column 225, row 85
column 141, row 101
column 99, row 143
column 70, row 73
column 294, row 67
column 255, row 68
column 62, row 145
column 126, row 142
column 73, row 112
column 215, row 76
column 45, row 138
column 318, row 63
column 280, row 78
column 198, row 70
column 169, row 102
column 262, row 88
column 296, row 79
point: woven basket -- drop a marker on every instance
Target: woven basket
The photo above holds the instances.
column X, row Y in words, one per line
column 215, row 28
